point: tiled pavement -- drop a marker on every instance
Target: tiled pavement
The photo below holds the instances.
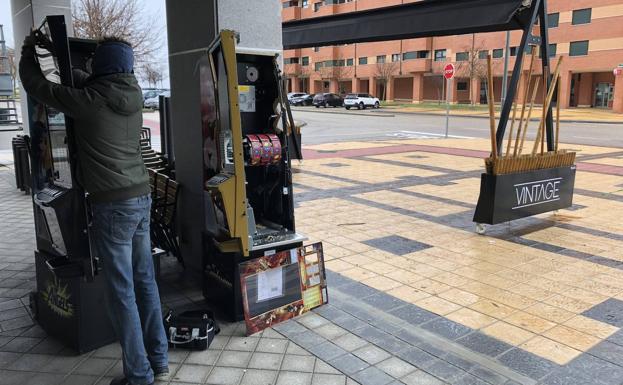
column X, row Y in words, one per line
column 415, row 296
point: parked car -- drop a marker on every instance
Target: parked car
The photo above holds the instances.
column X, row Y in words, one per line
column 305, row 100
column 361, row 101
column 295, row 95
column 149, row 93
column 327, row 100
column 154, row 102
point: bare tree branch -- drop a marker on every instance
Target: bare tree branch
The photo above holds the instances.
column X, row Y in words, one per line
column 95, row 19
column 335, row 69
column 152, row 74
column 384, row 73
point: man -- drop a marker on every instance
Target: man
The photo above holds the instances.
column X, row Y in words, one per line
column 107, row 113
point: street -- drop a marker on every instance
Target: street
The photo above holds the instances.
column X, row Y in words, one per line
column 336, row 124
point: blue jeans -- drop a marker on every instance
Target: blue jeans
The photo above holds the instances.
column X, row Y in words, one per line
column 121, row 241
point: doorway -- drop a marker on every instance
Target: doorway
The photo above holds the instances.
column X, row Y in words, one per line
column 604, row 93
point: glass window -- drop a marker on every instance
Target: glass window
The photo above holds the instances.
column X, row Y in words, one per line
column 440, row 55
column 462, row 56
column 552, row 20
column 513, row 51
column 381, row 58
column 317, row 6
column 581, row 16
column 363, row 60
column 409, row 55
column 578, row 48
column 316, row 49
column 318, row 66
column 305, row 60
column 498, row 53
column 291, row 60
column 305, row 4
column 423, row 54
column 552, row 50
column 396, row 57
column 350, row 62
column 483, row 54
column 461, row 86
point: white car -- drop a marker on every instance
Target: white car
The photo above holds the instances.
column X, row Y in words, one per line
column 296, row 95
column 361, row 101
column 154, row 102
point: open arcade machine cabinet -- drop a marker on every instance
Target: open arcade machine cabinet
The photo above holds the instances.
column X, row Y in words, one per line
column 69, row 300
column 247, row 176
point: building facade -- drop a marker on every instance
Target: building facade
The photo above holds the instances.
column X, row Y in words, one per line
column 588, row 33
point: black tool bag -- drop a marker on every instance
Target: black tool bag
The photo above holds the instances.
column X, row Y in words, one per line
column 194, row 329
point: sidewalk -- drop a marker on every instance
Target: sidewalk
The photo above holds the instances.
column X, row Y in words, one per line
column 415, row 296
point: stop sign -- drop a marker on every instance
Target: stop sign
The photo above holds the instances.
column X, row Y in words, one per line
column 448, row 71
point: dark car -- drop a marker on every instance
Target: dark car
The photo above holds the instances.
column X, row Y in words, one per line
column 327, row 100
column 305, row 100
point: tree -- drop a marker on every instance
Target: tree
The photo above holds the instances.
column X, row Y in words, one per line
column 334, row 70
column 95, row 19
column 152, row 74
column 475, row 67
column 384, row 73
column 12, row 67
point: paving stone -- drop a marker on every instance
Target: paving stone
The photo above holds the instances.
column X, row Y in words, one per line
column 488, row 375
column 409, row 336
column 259, row 377
column 609, row 352
column 372, row 376
column 246, row 344
column 298, row 363
column 357, row 290
column 271, row 345
column 21, row 344
column 294, row 378
column 458, row 361
column 289, row 328
column 77, row 379
column 566, row 376
column 616, row 338
column 269, row 361
column 61, row 364
column 396, row 367
column 295, row 349
column 413, row 314
column 397, row 245
column 308, row 339
column 95, row 366
column 205, row 357
column 484, row 344
column 324, row 368
column 609, row 311
column 350, row 342
column 372, row 354
column 416, row 357
column 312, row 321
column 383, row 301
column 327, row 351
column 329, row 312
column 421, row 378
column 469, row 379
column 232, row 358
column 224, row 376
column 445, row 371
column 348, row 364
column 600, row 370
column 527, row 364
column 330, row 331
column 350, row 323
column 371, row 334
column 328, row 379
column 446, row 328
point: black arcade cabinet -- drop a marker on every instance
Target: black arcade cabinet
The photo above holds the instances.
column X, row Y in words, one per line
column 69, row 301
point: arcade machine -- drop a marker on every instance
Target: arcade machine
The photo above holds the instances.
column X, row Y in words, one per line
column 69, row 301
column 249, row 209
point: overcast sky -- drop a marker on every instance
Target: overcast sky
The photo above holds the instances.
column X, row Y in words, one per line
column 153, row 8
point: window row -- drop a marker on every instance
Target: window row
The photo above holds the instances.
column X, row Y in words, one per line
column 578, row 17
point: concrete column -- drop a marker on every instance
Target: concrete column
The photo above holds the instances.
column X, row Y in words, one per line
column 372, row 87
column 617, row 104
column 333, row 86
column 390, row 90
column 24, row 12
column 295, row 84
column 565, row 82
column 355, row 85
column 418, row 88
column 585, row 91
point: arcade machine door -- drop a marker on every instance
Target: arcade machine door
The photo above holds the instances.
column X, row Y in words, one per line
column 69, row 301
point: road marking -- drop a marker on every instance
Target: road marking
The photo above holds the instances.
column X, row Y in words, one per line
column 424, row 135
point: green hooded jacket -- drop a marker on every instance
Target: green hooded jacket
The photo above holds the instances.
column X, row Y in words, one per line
column 108, row 116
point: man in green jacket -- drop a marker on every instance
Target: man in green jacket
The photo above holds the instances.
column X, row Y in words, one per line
column 106, row 108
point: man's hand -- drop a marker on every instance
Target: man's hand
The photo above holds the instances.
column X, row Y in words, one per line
column 28, row 48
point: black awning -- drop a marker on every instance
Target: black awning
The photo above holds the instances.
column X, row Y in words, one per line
column 422, row 19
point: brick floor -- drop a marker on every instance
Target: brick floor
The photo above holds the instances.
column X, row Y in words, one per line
column 416, row 297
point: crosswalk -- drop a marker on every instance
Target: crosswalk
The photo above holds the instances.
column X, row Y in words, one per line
column 422, row 135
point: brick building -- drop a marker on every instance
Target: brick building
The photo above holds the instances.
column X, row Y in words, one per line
column 589, row 33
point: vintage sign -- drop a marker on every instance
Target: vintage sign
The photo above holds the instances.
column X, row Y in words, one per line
column 513, row 196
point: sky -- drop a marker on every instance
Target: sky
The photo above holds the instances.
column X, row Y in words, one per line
column 153, row 8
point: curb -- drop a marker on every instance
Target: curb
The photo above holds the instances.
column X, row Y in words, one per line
column 343, row 112
column 486, row 117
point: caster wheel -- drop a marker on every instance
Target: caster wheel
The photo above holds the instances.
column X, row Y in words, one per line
column 481, row 228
